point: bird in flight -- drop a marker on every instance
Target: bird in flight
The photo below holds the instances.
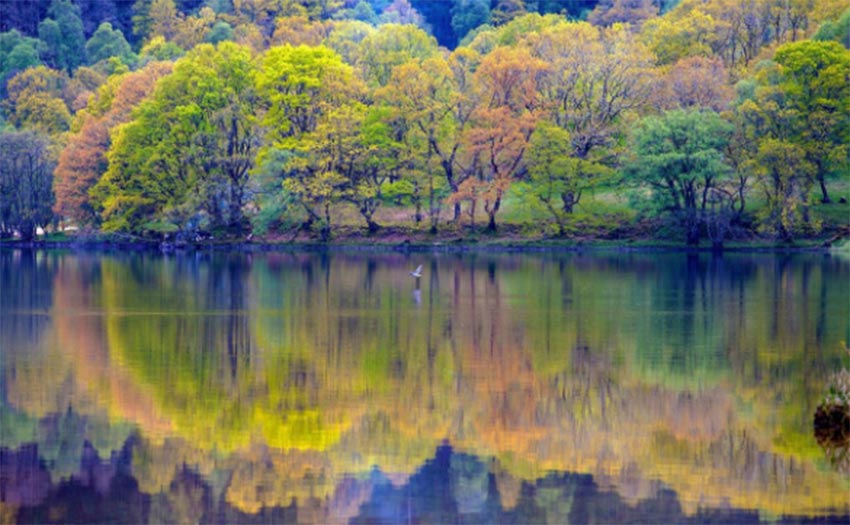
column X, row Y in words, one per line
column 418, row 272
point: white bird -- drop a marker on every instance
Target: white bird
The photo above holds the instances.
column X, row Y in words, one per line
column 418, row 272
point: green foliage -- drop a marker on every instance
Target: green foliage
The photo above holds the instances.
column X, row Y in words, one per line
column 63, row 36
column 107, row 42
column 794, row 116
column 392, row 46
column 836, row 30
column 469, row 14
column 17, row 53
column 34, row 100
column 220, row 32
column 276, row 208
column 785, row 178
column 312, row 113
column 187, row 154
column 679, row 156
column 557, row 178
column 159, row 49
column 428, row 127
column 297, row 85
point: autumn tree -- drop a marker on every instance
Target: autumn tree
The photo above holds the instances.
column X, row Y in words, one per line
column 307, row 93
column 83, row 160
column 675, row 36
column 401, row 12
column 392, row 46
column 182, row 163
column 694, row 82
column 735, row 31
column 426, row 113
column 506, row 10
column 164, row 18
column 297, row 30
column 556, row 178
column 634, row 12
column 26, row 172
column 598, row 79
column 35, row 100
column 509, row 81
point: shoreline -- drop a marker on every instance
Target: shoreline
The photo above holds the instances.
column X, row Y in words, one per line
column 494, row 245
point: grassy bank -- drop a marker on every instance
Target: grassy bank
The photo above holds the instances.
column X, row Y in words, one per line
column 603, row 220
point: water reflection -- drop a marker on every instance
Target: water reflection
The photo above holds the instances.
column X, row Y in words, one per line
column 318, row 387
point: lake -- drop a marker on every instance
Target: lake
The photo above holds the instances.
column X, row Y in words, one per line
column 299, row 387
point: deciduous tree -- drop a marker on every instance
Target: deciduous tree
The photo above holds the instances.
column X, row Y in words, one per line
column 107, row 42
column 679, row 156
column 509, row 80
column 26, row 172
column 63, row 36
column 189, row 148
column 83, row 160
column 392, row 46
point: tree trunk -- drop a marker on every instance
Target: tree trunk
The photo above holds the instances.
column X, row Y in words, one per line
column 372, row 225
column 235, row 226
column 825, row 199
column 491, row 212
column 27, row 231
column 568, row 199
column 417, row 200
column 326, row 227
column 433, row 214
column 692, row 229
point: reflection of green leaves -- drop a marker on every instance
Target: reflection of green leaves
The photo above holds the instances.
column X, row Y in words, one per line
column 16, row 428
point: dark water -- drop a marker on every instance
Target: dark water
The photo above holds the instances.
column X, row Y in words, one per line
column 336, row 388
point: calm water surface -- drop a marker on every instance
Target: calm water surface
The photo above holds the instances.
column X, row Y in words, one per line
column 335, row 388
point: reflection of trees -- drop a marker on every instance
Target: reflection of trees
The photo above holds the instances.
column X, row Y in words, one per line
column 279, row 374
column 26, row 298
column 449, row 487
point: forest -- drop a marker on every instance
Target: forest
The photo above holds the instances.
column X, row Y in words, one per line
column 695, row 121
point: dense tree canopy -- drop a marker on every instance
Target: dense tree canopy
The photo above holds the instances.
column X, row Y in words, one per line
column 26, row 170
column 316, row 112
column 184, row 160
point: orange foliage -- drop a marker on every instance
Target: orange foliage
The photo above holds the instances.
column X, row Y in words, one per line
column 83, row 160
column 695, row 82
column 508, row 84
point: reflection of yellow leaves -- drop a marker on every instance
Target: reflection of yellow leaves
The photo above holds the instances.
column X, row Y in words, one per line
column 270, row 478
column 8, row 512
column 494, row 366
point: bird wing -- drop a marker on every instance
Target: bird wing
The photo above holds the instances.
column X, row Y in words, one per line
column 418, row 269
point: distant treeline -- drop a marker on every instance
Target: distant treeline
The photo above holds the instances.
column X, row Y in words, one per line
column 446, row 19
column 188, row 118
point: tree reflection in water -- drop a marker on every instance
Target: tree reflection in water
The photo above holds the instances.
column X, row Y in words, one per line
column 612, row 387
